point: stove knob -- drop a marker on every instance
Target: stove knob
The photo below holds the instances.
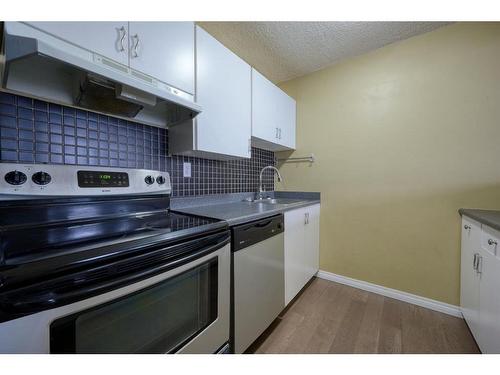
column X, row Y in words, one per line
column 161, row 180
column 149, row 180
column 15, row 178
column 41, row 178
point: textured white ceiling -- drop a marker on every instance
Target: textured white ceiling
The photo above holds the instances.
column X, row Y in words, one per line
column 285, row 50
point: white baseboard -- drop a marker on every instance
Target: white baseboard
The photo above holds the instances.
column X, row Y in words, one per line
column 392, row 293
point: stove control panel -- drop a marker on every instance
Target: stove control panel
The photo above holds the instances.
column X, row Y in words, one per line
column 89, row 179
column 67, row 180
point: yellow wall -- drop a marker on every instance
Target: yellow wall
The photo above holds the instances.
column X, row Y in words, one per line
column 404, row 137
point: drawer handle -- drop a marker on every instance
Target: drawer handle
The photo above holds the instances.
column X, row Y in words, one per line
column 492, row 242
column 466, row 226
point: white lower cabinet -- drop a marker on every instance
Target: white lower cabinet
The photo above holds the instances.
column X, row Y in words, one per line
column 489, row 302
column 480, row 282
column 469, row 278
column 301, row 248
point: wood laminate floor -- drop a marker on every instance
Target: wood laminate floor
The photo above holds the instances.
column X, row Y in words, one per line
column 333, row 318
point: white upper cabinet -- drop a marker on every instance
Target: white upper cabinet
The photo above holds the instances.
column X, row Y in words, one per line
column 264, row 107
column 273, row 115
column 161, row 50
column 288, row 109
column 109, row 39
column 223, row 89
column 165, row 51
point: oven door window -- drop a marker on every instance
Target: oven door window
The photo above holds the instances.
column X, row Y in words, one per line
column 159, row 319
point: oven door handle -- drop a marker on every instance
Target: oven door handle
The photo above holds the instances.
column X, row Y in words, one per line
column 93, row 281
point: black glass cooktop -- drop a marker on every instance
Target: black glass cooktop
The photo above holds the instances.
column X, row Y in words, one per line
column 40, row 229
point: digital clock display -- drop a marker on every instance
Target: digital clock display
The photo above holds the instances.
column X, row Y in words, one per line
column 97, row 179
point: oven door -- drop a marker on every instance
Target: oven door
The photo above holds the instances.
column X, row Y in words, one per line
column 183, row 310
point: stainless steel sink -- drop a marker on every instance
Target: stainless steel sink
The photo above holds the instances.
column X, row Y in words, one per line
column 275, row 201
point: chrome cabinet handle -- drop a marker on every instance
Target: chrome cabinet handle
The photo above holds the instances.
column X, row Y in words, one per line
column 277, row 132
column 474, row 261
column 466, row 226
column 280, row 132
column 122, row 34
column 479, row 267
column 492, row 242
column 306, row 218
column 135, row 50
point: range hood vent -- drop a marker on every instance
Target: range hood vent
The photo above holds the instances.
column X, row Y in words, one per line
column 38, row 65
column 101, row 95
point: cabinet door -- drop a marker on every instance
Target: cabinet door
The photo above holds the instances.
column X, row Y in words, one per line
column 469, row 278
column 287, row 114
column 223, row 89
column 165, row 51
column 294, row 253
column 311, row 241
column 109, row 39
column 489, row 302
column 273, row 115
column 265, row 102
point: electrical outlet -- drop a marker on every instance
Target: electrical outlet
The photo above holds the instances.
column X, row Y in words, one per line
column 186, row 169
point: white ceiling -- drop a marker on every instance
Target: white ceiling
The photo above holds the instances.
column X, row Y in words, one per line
column 285, row 50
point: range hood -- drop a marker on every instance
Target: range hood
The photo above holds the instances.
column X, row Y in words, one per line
column 39, row 65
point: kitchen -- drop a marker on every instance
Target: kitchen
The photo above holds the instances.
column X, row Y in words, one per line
column 218, row 187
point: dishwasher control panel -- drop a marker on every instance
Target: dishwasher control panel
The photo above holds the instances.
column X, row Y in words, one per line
column 256, row 231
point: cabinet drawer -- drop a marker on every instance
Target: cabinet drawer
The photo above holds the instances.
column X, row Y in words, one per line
column 490, row 239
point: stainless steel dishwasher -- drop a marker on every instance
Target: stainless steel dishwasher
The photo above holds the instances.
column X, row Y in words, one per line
column 258, row 287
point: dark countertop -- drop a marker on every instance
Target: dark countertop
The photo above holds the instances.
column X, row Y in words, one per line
column 490, row 218
column 237, row 212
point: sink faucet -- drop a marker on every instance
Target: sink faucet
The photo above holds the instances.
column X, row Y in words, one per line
column 259, row 194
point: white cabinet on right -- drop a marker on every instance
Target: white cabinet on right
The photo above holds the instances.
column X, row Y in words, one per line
column 273, row 115
column 480, row 282
column 301, row 248
column 469, row 291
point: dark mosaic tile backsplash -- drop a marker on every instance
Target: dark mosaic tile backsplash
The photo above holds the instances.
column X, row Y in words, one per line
column 33, row 131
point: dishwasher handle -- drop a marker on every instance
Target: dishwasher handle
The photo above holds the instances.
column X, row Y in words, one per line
column 248, row 234
column 260, row 224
